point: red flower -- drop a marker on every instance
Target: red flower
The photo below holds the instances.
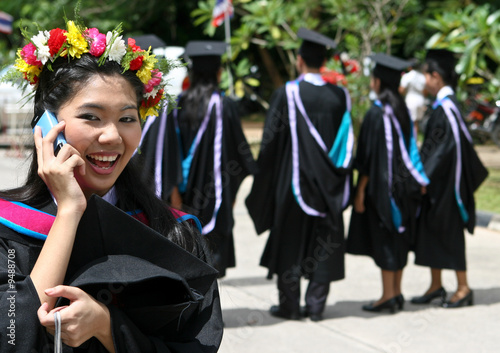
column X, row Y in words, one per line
column 131, row 44
column 136, row 63
column 332, row 76
column 352, row 66
column 32, row 81
column 152, row 101
column 56, row 40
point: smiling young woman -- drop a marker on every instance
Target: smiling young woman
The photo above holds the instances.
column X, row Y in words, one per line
column 100, row 89
column 103, row 125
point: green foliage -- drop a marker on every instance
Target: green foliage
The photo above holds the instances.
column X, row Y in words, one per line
column 487, row 196
column 269, row 27
column 474, row 33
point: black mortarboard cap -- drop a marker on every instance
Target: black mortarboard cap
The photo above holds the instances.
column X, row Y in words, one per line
column 205, row 48
column 389, row 68
column 205, row 54
column 115, row 255
column 149, row 40
column 311, row 36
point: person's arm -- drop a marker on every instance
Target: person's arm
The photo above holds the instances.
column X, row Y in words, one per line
column 84, row 317
column 58, row 173
column 176, row 198
column 359, row 198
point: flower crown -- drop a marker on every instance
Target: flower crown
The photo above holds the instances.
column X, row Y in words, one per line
column 47, row 46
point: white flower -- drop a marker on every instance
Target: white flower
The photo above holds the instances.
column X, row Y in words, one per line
column 153, row 92
column 42, row 49
column 41, row 38
column 43, row 53
column 116, row 47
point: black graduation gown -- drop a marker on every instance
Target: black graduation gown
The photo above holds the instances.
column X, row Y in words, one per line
column 373, row 233
column 199, row 197
column 203, row 333
column 162, row 128
column 299, row 244
column 440, row 239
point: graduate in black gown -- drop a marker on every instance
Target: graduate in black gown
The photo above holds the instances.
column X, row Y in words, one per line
column 302, row 185
column 455, row 172
column 199, row 155
column 100, row 90
column 390, row 182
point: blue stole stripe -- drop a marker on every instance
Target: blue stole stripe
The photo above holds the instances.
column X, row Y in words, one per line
column 338, row 151
column 188, row 217
column 22, row 230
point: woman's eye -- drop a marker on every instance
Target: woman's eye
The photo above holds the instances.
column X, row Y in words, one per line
column 88, row 117
column 128, row 119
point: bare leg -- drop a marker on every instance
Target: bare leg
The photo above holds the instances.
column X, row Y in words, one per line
column 462, row 288
column 387, row 286
column 435, row 280
column 398, row 275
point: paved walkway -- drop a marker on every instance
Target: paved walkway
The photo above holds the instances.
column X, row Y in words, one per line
column 246, row 297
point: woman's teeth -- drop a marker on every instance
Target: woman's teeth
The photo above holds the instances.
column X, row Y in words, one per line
column 103, row 162
column 104, row 158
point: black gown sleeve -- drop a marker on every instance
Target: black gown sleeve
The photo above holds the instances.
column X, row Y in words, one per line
column 240, row 162
column 19, row 301
column 261, row 202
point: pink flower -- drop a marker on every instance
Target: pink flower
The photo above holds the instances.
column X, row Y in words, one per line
column 154, row 81
column 29, row 56
column 97, row 41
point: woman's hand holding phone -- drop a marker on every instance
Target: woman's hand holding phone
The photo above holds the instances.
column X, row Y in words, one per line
column 46, row 122
column 58, row 171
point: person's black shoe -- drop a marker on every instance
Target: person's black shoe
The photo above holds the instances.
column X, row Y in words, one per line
column 467, row 300
column 388, row 304
column 314, row 317
column 427, row 298
column 278, row 311
column 400, row 301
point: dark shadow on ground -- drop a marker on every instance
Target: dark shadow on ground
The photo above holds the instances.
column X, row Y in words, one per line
column 248, row 317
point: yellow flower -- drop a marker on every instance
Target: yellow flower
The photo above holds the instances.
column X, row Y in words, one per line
column 148, row 64
column 20, row 64
column 77, row 43
column 31, row 71
column 145, row 112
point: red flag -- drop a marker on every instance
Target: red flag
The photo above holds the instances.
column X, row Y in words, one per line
column 222, row 7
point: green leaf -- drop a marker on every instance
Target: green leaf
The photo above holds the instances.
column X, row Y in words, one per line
column 495, row 46
column 252, row 82
column 434, row 40
column 493, row 18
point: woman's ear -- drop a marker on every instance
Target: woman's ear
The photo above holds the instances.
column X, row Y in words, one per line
column 299, row 63
column 376, row 84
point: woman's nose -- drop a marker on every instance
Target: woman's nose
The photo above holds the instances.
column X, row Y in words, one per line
column 110, row 135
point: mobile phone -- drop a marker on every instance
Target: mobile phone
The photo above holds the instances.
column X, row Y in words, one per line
column 47, row 121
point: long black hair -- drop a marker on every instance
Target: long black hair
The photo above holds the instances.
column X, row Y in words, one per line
column 203, row 82
column 389, row 94
column 56, row 87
